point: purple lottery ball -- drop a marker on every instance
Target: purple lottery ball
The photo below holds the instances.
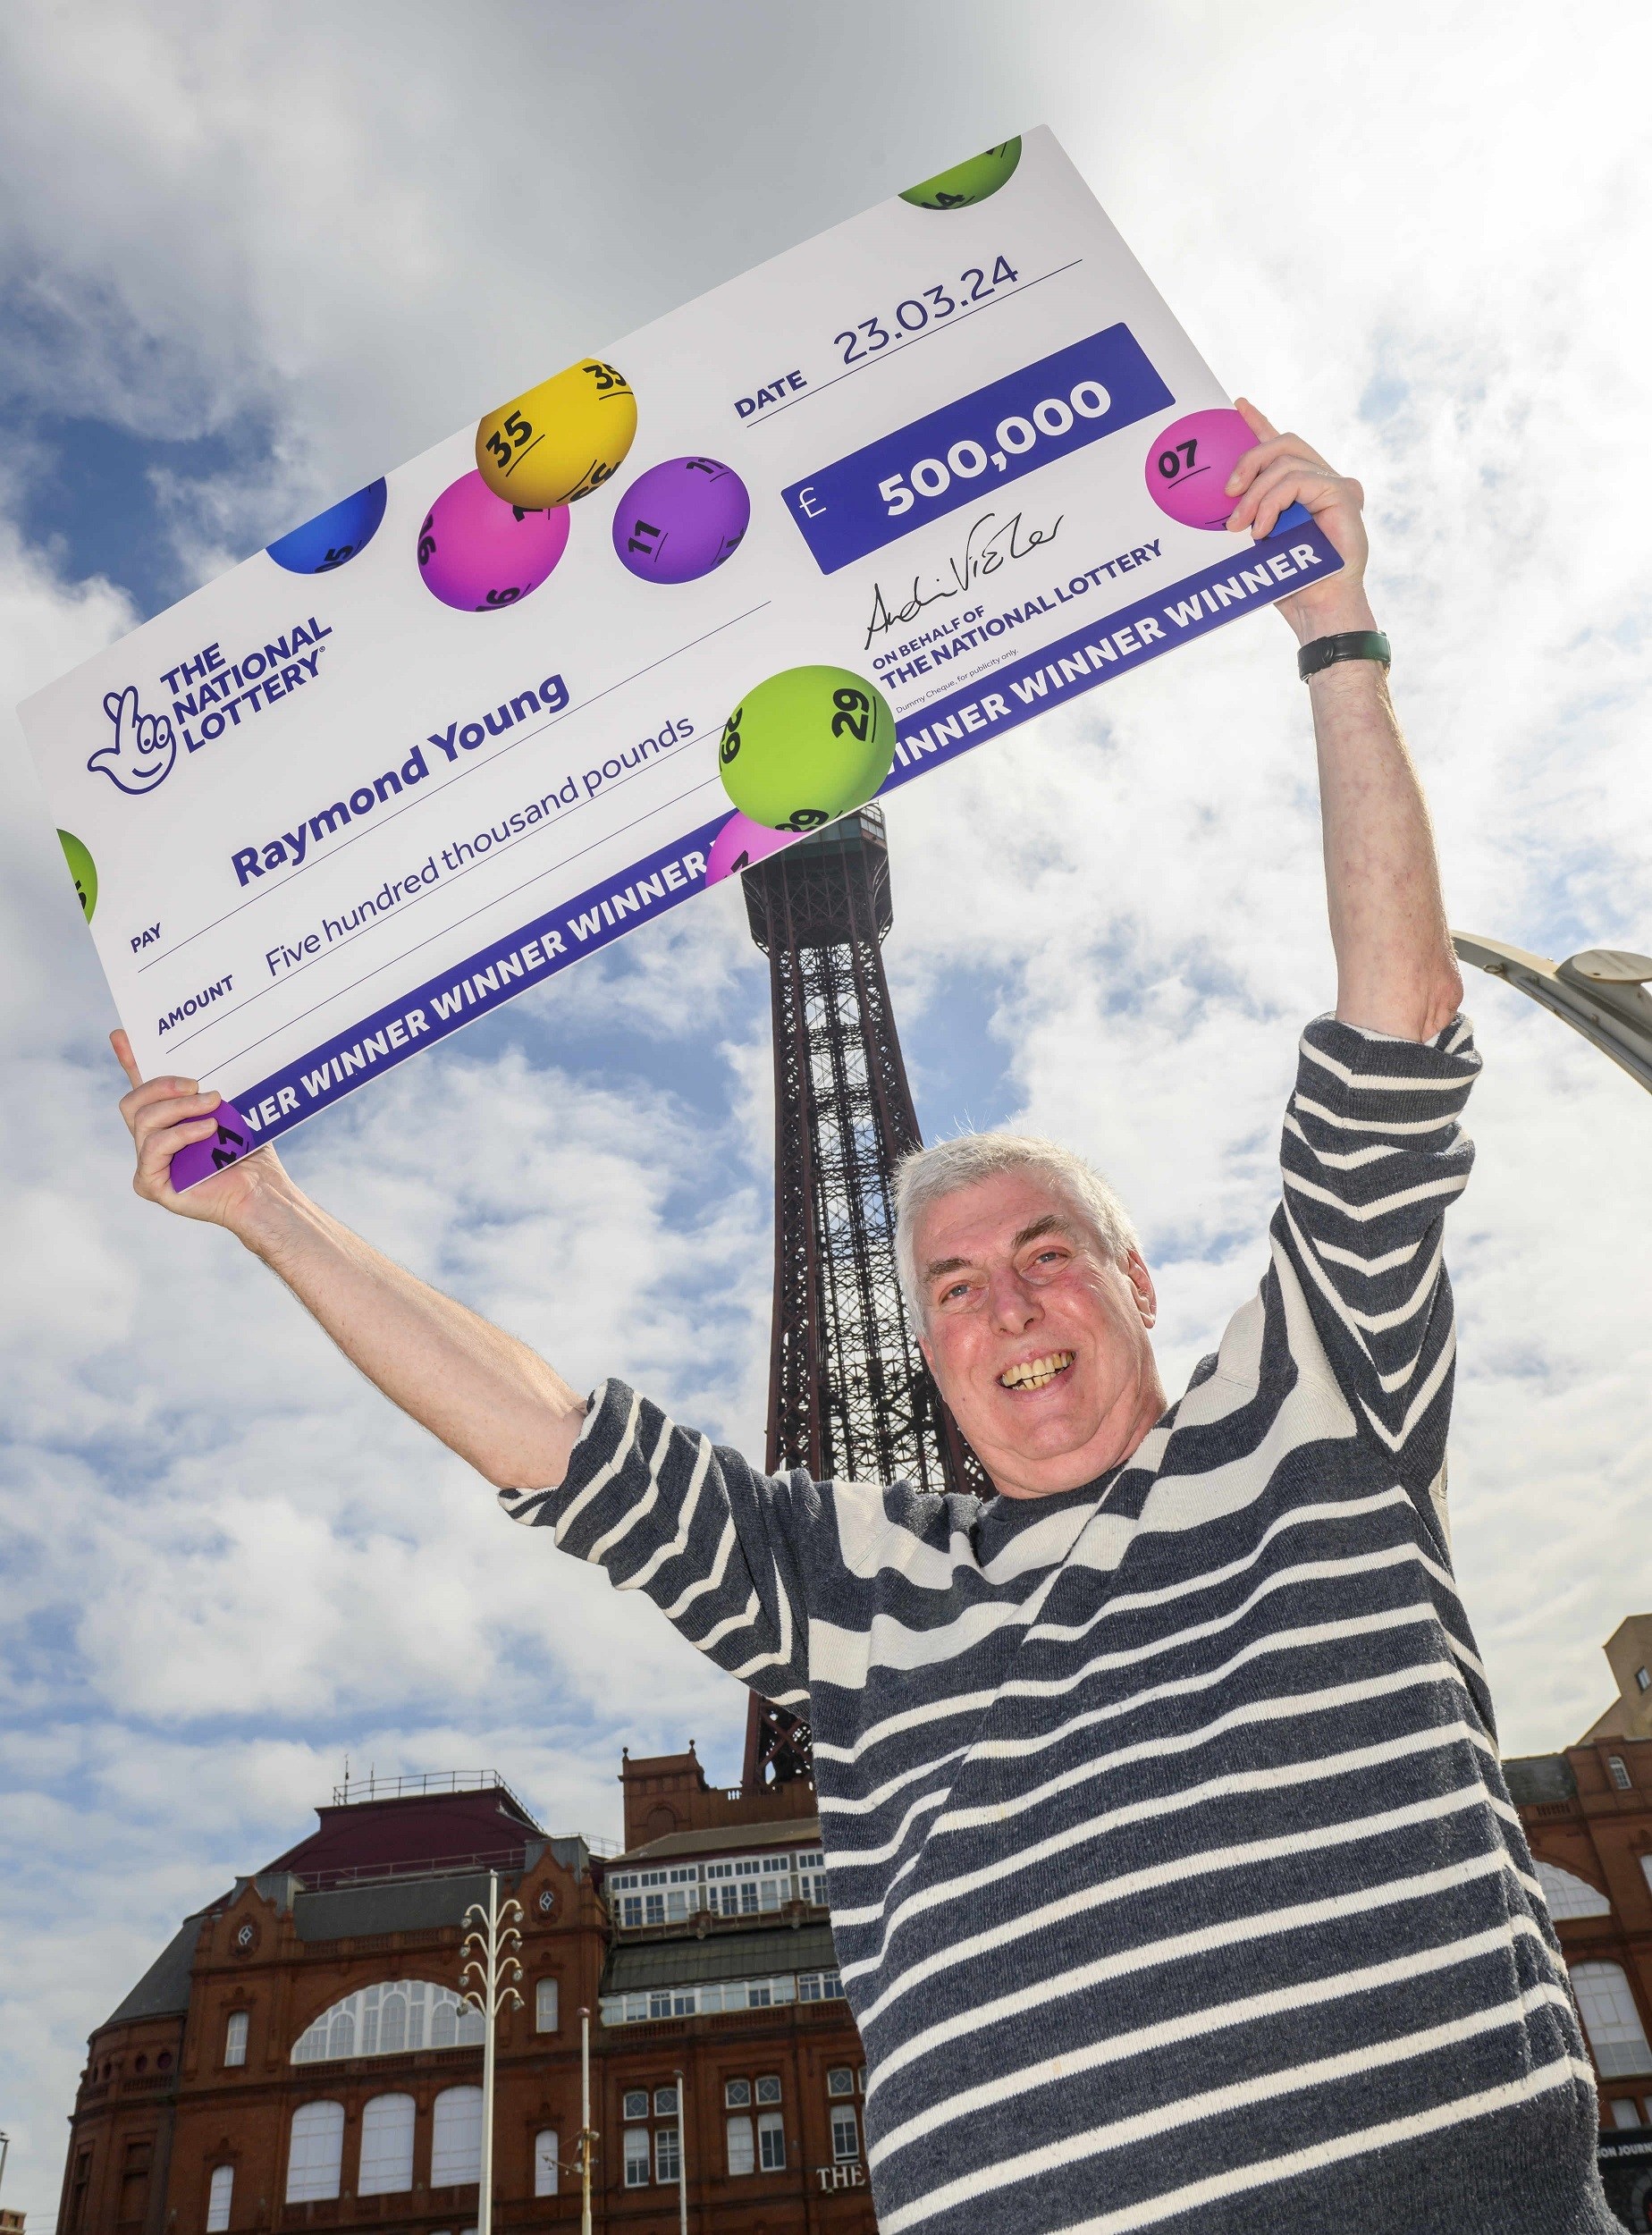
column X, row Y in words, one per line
column 741, row 844
column 679, row 520
column 199, row 1160
column 478, row 554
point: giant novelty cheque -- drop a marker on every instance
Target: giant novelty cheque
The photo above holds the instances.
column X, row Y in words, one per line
column 803, row 540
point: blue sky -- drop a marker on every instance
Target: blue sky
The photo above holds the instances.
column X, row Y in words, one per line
column 250, row 258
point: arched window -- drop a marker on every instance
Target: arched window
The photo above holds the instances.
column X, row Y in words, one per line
column 1610, row 2019
column 316, row 2152
column 389, row 2019
column 235, row 2038
column 456, row 2137
column 547, row 2170
column 218, row 2196
column 1567, row 1895
column 386, row 2147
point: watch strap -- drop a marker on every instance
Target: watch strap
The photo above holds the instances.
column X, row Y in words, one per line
column 1355, row 644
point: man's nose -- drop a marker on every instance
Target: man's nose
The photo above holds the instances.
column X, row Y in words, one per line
column 1013, row 1306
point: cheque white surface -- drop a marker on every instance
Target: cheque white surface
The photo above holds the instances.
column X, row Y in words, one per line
column 330, row 816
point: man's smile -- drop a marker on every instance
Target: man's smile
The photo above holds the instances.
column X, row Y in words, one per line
column 1036, row 1373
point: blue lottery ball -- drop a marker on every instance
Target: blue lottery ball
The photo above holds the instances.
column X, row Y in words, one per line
column 335, row 536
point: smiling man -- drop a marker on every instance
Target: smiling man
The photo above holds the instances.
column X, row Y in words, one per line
column 1175, row 1882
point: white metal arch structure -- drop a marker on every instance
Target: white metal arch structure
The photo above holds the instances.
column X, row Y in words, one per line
column 1601, row 993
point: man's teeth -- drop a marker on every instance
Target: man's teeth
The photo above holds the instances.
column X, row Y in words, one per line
column 1036, row 1373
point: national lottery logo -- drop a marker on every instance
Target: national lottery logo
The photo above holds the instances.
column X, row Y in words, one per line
column 144, row 747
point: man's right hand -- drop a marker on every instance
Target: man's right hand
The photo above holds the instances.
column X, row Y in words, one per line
column 486, row 1396
column 163, row 1116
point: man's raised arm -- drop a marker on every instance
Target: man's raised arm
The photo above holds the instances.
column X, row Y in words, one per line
column 1395, row 970
column 486, row 1396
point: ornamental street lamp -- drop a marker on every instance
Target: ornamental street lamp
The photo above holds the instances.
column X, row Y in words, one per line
column 495, row 1968
column 587, row 2132
column 1600, row 993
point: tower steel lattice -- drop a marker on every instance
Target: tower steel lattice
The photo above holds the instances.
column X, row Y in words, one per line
column 848, row 1393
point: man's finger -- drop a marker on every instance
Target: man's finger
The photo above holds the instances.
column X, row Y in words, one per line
column 1259, row 423
column 155, row 1116
column 1268, row 453
column 124, row 1057
column 156, row 1150
column 1301, row 477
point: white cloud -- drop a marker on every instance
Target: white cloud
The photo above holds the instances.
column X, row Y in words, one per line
column 332, row 236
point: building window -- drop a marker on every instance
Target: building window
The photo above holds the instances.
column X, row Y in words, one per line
column 845, row 2134
column 637, row 2160
column 1619, row 1767
column 545, row 1999
column 547, row 2162
column 819, row 1986
column 79, row 2191
column 635, row 2106
column 456, row 2137
column 389, row 2019
column 688, row 2001
column 315, row 2152
column 1643, row 1680
column 737, row 2094
column 665, row 2103
column 840, row 2080
column 235, row 2038
column 772, row 2141
column 386, row 2147
column 769, row 2088
column 1611, row 2019
column 667, row 2158
column 1567, row 1895
column 218, row 2194
column 741, row 2151
column 135, row 2180
column 1626, row 2114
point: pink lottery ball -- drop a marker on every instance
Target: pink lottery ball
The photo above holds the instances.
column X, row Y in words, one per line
column 741, row 844
column 1188, row 466
column 199, row 1160
column 478, row 554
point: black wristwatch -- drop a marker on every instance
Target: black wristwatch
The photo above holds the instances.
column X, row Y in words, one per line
column 1357, row 644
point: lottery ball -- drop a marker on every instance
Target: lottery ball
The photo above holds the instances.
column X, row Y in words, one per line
column 478, row 554
column 681, row 520
column 199, row 1160
column 805, row 746
column 83, row 869
column 741, row 844
column 332, row 536
column 559, row 441
column 967, row 183
column 1188, row 466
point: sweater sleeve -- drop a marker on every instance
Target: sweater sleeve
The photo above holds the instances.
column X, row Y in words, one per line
column 1373, row 1154
column 713, row 1542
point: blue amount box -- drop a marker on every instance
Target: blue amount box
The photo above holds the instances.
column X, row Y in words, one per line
column 956, row 455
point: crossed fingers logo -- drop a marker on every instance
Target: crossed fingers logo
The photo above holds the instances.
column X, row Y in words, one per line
column 143, row 748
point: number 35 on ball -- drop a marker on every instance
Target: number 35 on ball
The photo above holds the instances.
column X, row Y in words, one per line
column 559, row 441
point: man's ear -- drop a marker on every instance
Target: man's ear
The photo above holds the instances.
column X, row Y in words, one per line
column 1141, row 1285
column 929, row 1355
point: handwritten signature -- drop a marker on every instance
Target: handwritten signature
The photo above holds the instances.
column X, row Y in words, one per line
column 981, row 555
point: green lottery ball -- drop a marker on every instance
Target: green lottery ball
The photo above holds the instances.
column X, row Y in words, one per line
column 967, row 183
column 83, row 869
column 805, row 746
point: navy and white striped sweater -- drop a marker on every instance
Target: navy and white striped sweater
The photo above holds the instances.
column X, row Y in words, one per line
column 1175, row 1882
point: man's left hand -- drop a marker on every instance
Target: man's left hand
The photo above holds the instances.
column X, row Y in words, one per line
column 1284, row 470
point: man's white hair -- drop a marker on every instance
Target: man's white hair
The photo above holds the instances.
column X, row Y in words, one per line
column 925, row 1174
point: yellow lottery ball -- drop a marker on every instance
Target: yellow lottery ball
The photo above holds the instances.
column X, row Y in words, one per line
column 559, row 441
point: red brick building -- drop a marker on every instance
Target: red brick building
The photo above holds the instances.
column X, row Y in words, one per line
column 297, row 2056
column 1588, row 1815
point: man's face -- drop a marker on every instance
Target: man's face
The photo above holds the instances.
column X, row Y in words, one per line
column 1038, row 1340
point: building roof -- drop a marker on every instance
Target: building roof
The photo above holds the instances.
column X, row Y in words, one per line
column 418, row 1830
column 407, row 1903
column 802, row 1831
column 163, row 1990
column 736, row 1956
column 1534, row 1778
